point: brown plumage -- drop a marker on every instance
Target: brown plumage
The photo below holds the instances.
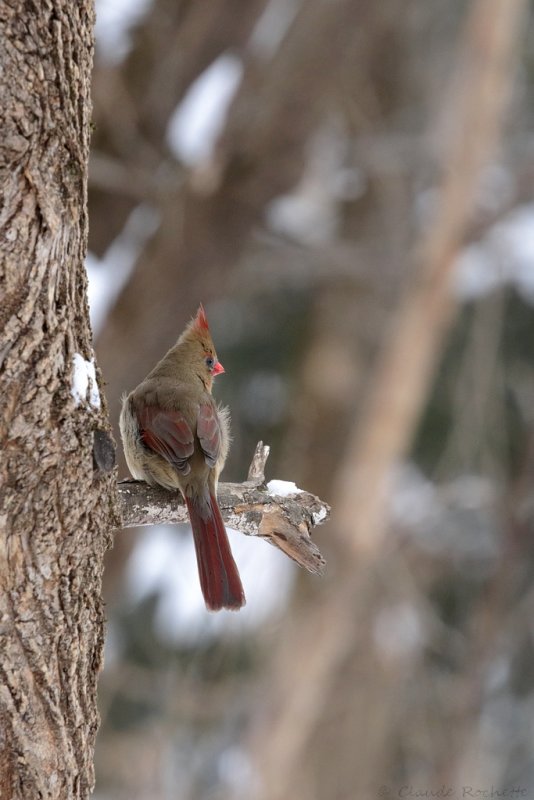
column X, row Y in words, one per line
column 174, row 435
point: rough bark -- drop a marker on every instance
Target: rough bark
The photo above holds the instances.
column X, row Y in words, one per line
column 57, row 504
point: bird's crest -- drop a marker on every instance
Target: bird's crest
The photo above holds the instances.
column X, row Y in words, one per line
column 198, row 328
column 200, row 322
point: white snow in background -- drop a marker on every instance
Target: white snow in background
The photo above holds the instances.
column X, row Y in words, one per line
column 197, row 122
column 307, row 215
column 455, row 519
column 504, row 256
column 497, row 673
column 164, row 563
column 414, row 498
column 107, row 276
column 398, row 631
column 496, row 189
column 283, row 488
column 114, row 20
column 475, row 275
column 84, row 379
column 272, row 27
column 310, row 212
column 235, row 769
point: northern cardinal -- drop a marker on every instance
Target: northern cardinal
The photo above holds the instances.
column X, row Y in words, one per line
column 175, row 435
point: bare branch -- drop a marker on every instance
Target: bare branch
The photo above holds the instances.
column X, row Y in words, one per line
column 249, row 507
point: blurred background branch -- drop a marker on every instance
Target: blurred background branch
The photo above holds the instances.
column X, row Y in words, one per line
column 399, row 384
column 478, row 95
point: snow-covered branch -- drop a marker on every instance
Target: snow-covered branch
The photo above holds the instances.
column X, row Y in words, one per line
column 277, row 511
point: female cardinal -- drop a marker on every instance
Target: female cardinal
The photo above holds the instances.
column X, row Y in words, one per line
column 174, row 435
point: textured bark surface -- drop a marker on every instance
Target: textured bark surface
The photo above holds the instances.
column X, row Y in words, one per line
column 57, row 501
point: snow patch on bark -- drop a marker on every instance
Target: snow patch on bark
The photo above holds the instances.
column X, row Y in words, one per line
column 319, row 516
column 283, row 488
column 84, row 386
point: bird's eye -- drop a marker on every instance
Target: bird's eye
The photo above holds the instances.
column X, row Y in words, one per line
column 210, row 362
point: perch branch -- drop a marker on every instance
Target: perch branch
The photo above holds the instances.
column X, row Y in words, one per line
column 286, row 521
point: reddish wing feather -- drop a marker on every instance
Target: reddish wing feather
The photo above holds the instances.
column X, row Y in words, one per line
column 209, row 432
column 167, row 434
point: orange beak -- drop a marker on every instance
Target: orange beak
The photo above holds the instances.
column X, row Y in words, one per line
column 218, row 368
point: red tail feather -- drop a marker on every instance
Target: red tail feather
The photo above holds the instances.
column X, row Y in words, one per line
column 219, row 577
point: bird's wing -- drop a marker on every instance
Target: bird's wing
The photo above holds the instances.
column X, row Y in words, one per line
column 209, row 432
column 168, row 434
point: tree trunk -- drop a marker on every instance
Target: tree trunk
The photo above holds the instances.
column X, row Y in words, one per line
column 57, row 500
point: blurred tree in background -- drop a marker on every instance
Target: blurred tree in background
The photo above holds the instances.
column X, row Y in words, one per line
column 312, row 171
